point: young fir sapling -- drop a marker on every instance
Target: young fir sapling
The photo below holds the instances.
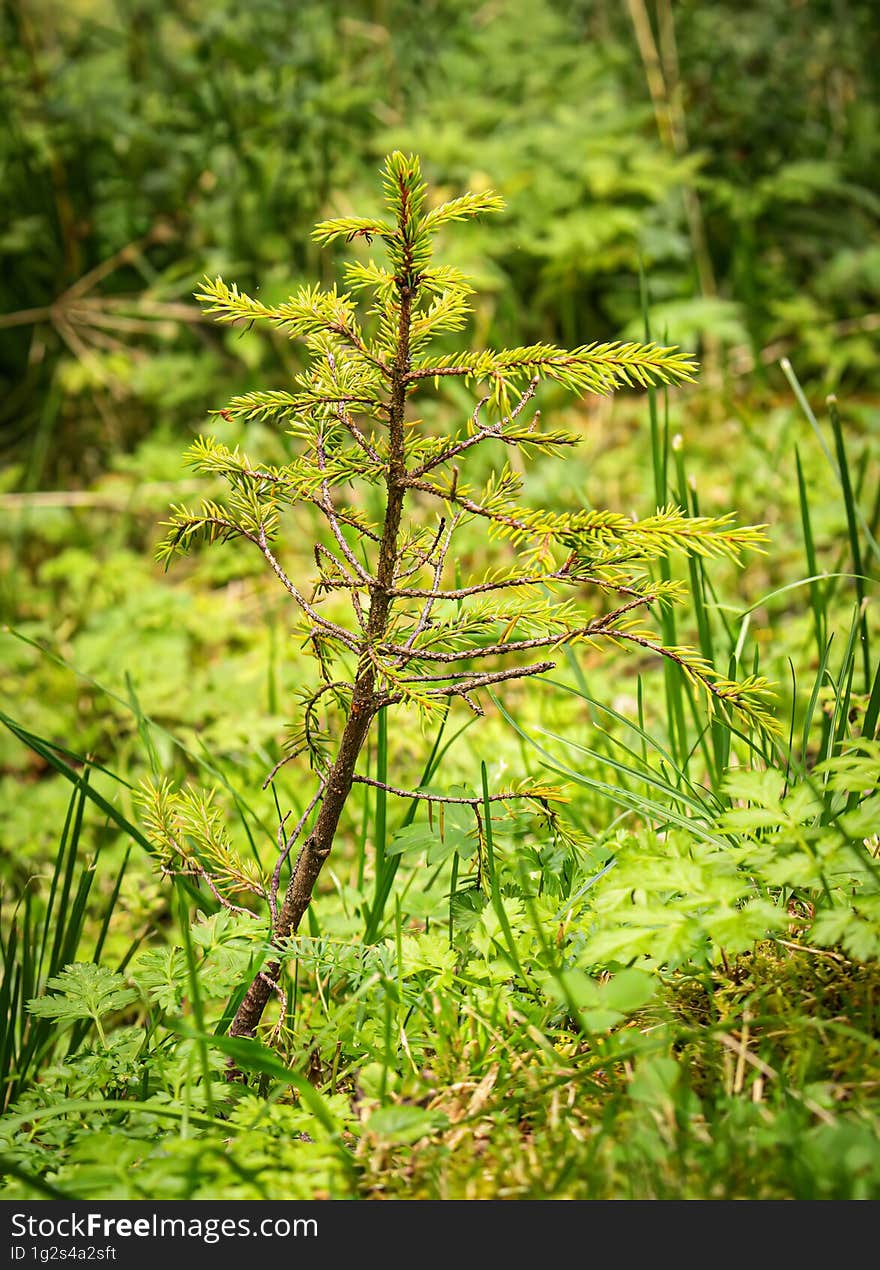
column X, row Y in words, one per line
column 413, row 640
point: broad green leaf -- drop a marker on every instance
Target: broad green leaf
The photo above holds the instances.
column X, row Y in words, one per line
column 628, row 990
column 411, row 839
column 402, row 1125
column 88, row 992
column 162, row 974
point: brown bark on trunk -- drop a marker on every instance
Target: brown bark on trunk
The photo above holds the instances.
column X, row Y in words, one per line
column 364, row 701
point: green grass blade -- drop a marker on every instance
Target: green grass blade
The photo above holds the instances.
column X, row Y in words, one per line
column 9, row 1012
column 377, row 913
column 48, row 751
column 872, row 712
column 57, row 872
column 819, row 619
column 67, row 932
column 792, row 378
column 646, row 738
column 201, row 758
column 657, row 813
column 195, row 991
column 110, row 908
column 851, row 506
column 494, row 881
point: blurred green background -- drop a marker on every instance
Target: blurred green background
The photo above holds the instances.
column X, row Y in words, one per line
column 730, row 150
column 733, row 147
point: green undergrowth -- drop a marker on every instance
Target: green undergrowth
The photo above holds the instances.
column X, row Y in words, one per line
column 670, row 990
column 753, row 1081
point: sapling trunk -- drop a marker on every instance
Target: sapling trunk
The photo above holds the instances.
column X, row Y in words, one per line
column 364, row 701
column 414, row 641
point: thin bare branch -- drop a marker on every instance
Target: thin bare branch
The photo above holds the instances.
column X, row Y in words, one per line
column 439, row 372
column 99, row 498
column 563, row 574
column 490, row 650
column 468, row 504
column 349, row 424
column 288, row 758
column 310, row 718
column 352, row 337
column 423, row 557
column 195, row 869
column 693, row 672
column 330, row 512
column 475, row 682
column 423, row 796
column 439, row 562
column 276, row 987
column 339, row 631
column 343, row 518
column 603, row 623
column 483, row 432
column 345, row 581
column 322, row 504
column 289, row 844
column 222, row 899
column 308, row 707
column 26, row 317
column 480, row 588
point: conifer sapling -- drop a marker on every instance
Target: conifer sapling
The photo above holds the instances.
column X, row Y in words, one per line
column 414, row 641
